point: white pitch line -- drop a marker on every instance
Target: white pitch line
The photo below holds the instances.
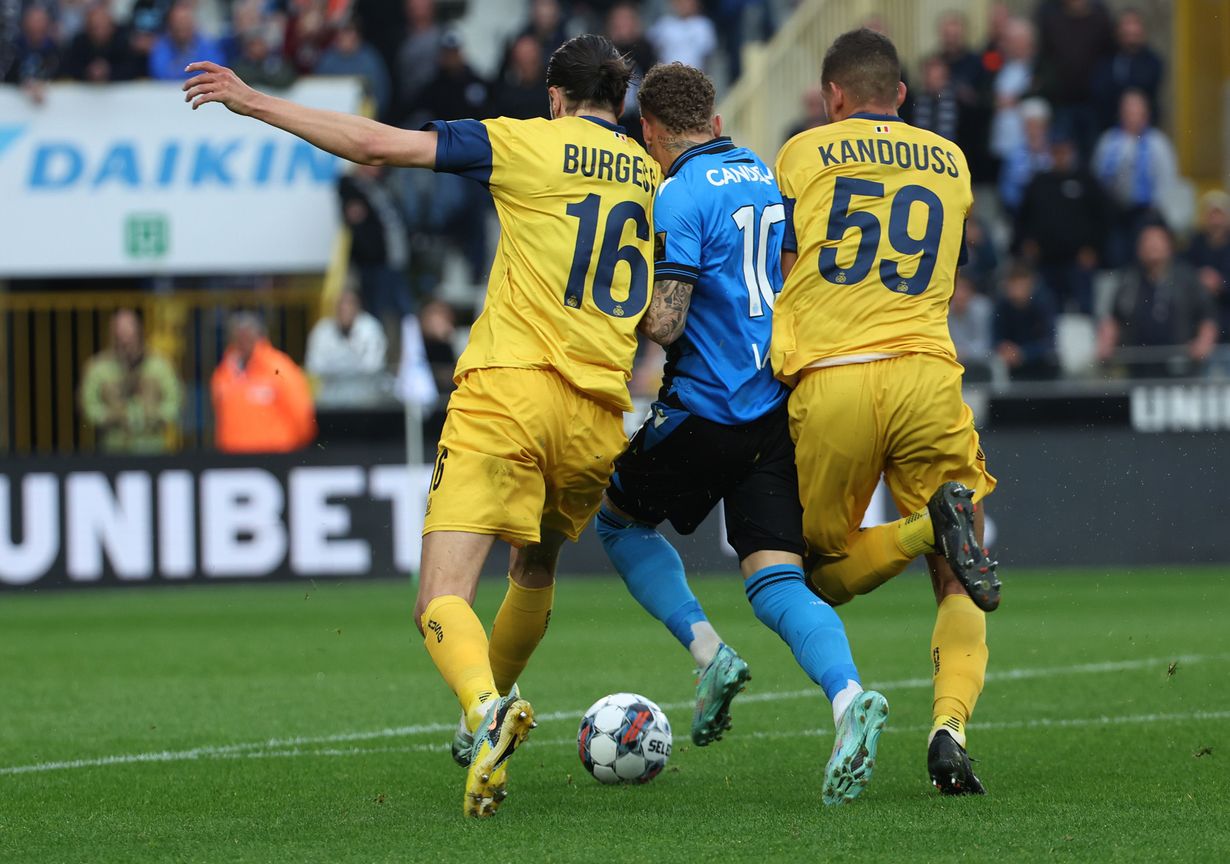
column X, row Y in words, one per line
column 917, row 729
column 292, row 745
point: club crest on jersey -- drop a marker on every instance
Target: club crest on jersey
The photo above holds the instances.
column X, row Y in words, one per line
column 884, row 130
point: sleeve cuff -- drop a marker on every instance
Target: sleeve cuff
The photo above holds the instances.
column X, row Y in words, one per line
column 790, row 243
column 463, row 147
column 677, row 272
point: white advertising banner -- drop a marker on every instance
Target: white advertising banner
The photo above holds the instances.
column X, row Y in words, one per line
column 127, row 179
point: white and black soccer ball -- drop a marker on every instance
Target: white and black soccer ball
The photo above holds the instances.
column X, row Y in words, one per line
column 624, row 738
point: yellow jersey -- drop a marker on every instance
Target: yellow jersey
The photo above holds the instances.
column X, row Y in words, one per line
column 574, row 269
column 878, row 211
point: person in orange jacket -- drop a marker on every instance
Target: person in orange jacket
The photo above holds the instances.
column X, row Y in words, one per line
column 262, row 401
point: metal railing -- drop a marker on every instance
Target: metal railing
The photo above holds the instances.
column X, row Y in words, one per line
column 46, row 339
column 767, row 99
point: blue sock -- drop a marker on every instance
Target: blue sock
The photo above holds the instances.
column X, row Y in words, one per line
column 806, row 623
column 653, row 572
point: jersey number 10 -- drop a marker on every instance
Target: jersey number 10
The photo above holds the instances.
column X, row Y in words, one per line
column 610, row 254
column 756, row 254
column 842, row 219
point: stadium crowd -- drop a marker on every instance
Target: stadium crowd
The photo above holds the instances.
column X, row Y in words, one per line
column 1087, row 249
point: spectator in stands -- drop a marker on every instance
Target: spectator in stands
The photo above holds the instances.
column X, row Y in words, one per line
column 546, row 25
column 308, row 34
column 1032, row 155
column 936, row 108
column 146, row 23
column 1133, row 66
column 347, row 353
column 738, row 22
column 1059, row 227
column 1025, row 328
column 971, row 86
column 416, row 59
column 999, row 19
column 1136, row 164
column 813, row 111
column 969, row 322
column 684, row 34
column 1013, row 82
column 438, row 322
column 519, row 91
column 1074, row 37
column 456, row 91
column 379, row 242
column 180, row 45
column 261, row 398
column 627, row 33
column 130, row 395
column 247, row 19
column 150, row 15
column 100, row 52
column 1209, row 254
column 350, row 55
column 983, row 264
column 36, row 55
column 260, row 65
column 1160, row 303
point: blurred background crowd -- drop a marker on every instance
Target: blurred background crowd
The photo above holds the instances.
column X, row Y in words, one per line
column 1091, row 257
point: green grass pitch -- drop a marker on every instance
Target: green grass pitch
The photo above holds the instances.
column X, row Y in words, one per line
column 306, row 723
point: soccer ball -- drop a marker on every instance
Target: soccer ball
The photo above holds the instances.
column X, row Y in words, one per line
column 624, row 738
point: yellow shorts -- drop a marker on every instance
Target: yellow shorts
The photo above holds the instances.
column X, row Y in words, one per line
column 903, row 417
column 522, row 452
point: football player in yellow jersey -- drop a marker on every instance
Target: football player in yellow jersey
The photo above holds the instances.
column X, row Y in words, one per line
column 537, row 418
column 876, row 213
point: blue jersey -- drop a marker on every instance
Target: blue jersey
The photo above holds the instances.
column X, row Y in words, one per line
column 719, row 223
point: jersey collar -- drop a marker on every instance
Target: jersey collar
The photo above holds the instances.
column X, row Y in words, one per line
column 867, row 115
column 605, row 124
column 715, row 145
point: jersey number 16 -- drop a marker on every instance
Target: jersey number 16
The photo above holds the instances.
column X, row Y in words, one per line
column 610, row 254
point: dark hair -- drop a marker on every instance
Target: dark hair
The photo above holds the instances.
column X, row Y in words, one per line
column 865, row 65
column 678, row 96
column 1019, row 270
column 591, row 71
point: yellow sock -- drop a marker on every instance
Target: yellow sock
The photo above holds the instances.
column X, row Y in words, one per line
column 874, row 555
column 519, row 627
column 457, row 643
column 915, row 533
column 959, row 656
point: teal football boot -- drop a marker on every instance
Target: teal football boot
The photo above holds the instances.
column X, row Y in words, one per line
column 719, row 683
column 854, row 751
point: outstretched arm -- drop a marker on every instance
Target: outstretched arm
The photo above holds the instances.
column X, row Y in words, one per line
column 347, row 135
column 668, row 311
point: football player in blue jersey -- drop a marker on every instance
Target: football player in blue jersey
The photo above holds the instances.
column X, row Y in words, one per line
column 719, row 429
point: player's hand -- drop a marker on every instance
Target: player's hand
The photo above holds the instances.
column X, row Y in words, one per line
column 216, row 83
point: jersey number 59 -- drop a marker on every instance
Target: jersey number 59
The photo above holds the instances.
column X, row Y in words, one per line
column 842, row 219
column 610, row 254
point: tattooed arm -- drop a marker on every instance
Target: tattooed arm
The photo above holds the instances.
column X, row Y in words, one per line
column 668, row 311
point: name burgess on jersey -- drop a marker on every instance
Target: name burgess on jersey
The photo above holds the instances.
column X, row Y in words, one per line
column 881, row 151
column 602, row 164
